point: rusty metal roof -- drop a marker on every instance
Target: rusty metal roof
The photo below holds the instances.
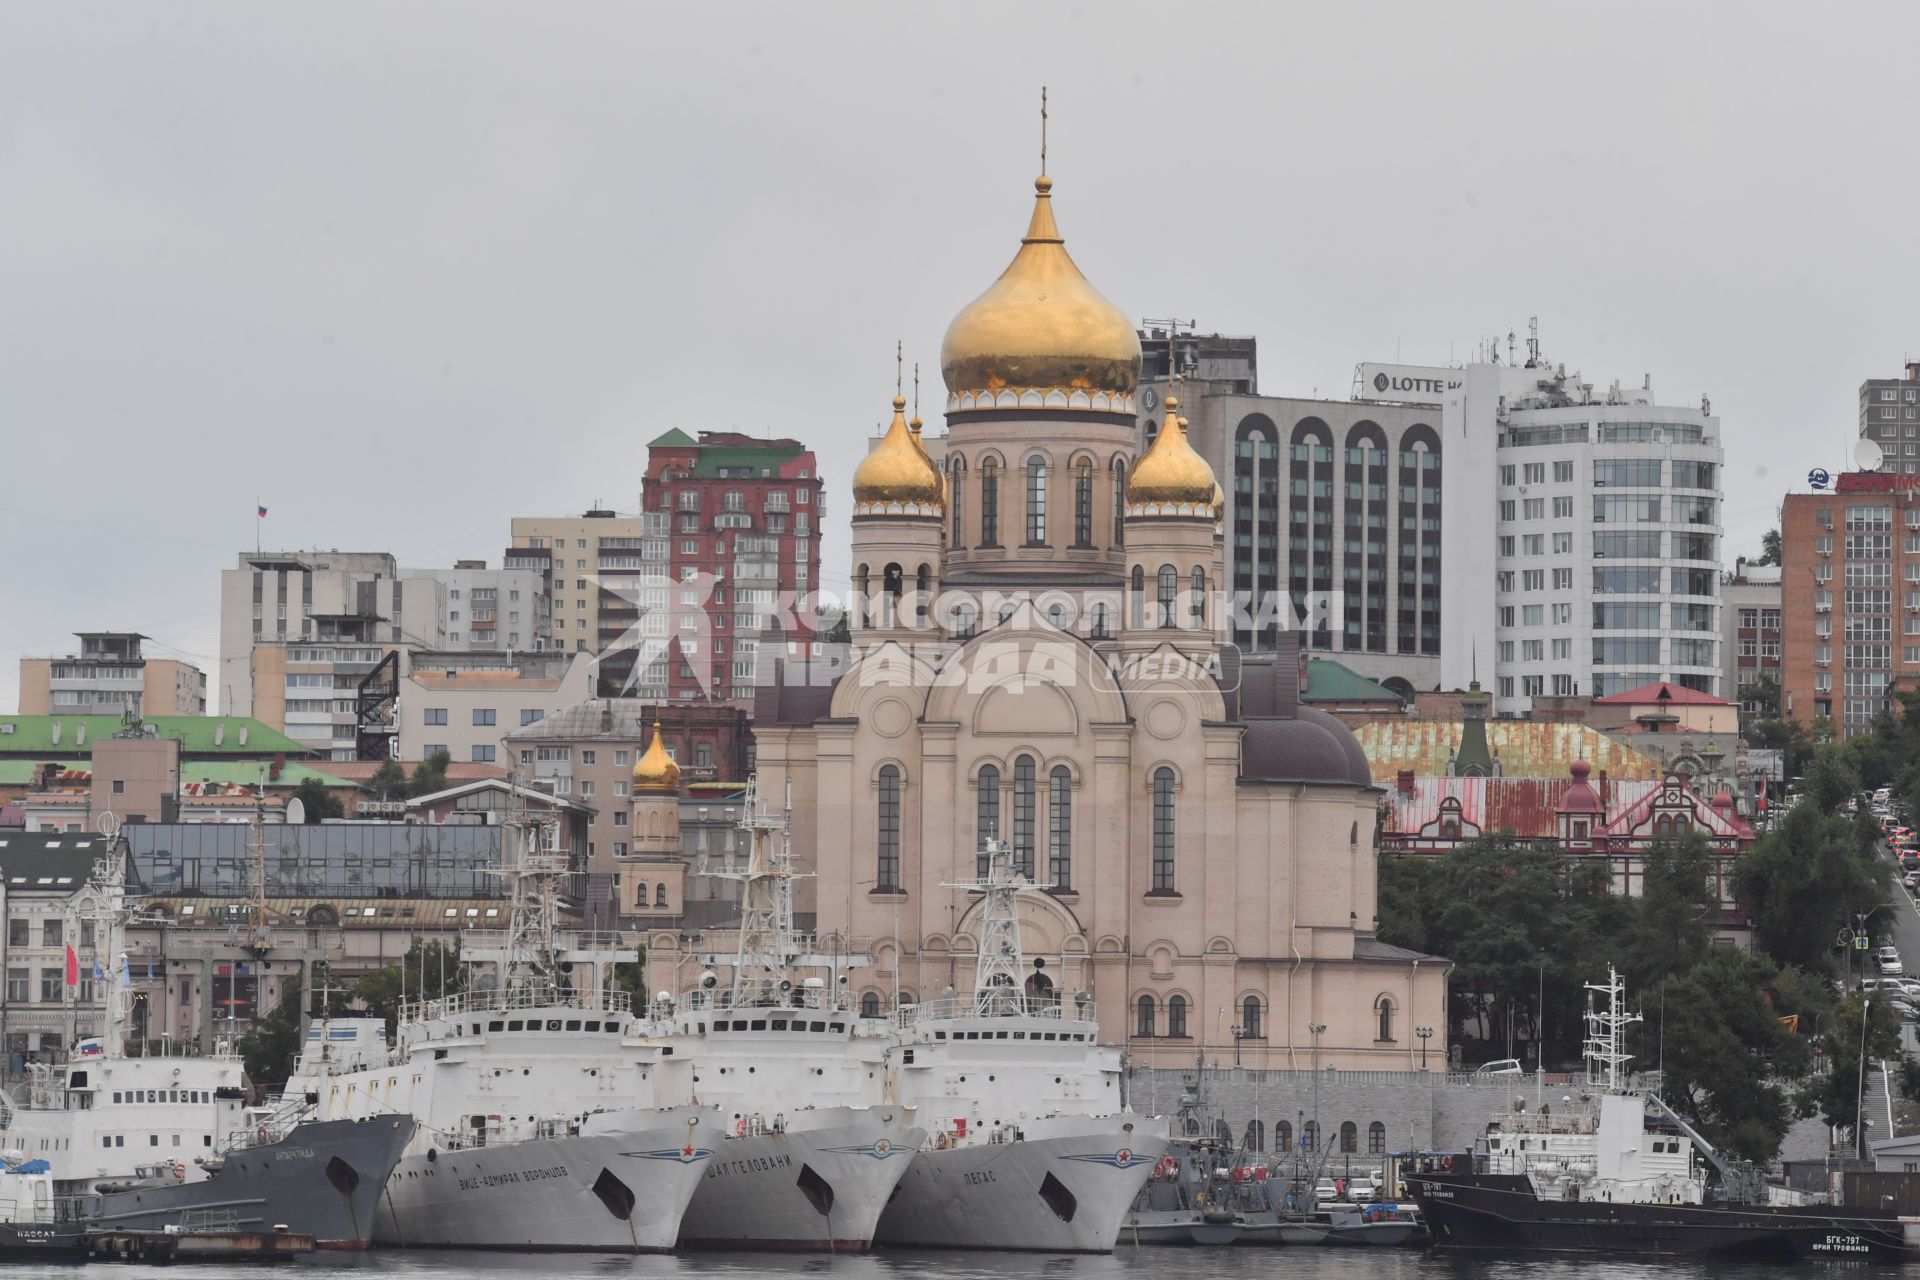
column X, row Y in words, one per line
column 1524, row 749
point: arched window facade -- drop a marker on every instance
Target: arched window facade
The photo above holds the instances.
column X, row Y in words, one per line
column 1101, row 631
column 1349, row 1137
column 1137, row 599
column 1310, row 525
column 1169, row 597
column 922, row 590
column 1376, row 1139
column 1383, row 1009
column 1177, row 1016
column 1256, row 1136
column 1250, row 1028
column 639, row 900
column 1036, row 502
column 1144, row 1017
column 1119, row 503
column 1258, row 555
column 887, row 864
column 1282, row 1135
column 869, row 1005
column 989, row 503
column 987, row 812
column 660, row 895
column 957, row 500
column 1310, row 1135
column 1364, row 540
column 966, row 620
column 893, row 580
column 862, row 588
column 1060, row 827
column 1417, row 624
column 1163, row 830
column 1197, row 599
column 1083, row 503
column 1024, row 785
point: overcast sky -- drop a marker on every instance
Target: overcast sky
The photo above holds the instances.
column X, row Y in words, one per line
column 403, row 271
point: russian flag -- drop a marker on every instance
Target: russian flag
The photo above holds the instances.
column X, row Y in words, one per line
column 263, row 513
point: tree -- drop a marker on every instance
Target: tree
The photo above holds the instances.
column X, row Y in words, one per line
column 1836, row 1095
column 1668, row 933
column 1803, row 882
column 389, row 781
column 270, row 1049
column 430, row 775
column 1769, row 548
column 318, row 800
column 1723, row 1046
column 430, row 971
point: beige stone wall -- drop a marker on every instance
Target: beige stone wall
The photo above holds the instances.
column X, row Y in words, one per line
column 36, row 686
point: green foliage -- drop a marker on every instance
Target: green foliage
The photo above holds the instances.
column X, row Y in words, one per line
column 318, row 800
column 1667, row 931
column 1804, row 881
column 270, row 1048
column 1723, row 1046
column 1769, row 548
column 389, row 781
column 430, row 775
column 1836, row 1094
column 431, row 970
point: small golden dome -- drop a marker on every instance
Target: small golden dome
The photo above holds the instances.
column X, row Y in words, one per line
column 1041, row 327
column 1171, row 473
column 1219, row 501
column 655, row 769
column 914, row 429
column 898, row 475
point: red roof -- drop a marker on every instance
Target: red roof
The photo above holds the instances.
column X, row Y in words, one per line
column 1660, row 691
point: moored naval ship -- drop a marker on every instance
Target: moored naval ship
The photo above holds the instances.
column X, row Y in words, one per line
column 811, row 1145
column 1032, row 1145
column 537, row 1123
column 150, row 1143
column 1635, row 1178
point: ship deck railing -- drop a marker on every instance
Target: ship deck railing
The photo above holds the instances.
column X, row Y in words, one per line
column 820, row 999
column 995, row 1005
column 510, row 999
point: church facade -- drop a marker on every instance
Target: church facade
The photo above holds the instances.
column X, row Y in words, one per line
column 1039, row 632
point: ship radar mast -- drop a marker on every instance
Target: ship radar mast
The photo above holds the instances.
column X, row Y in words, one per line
column 767, row 949
column 1002, row 968
column 1606, row 1044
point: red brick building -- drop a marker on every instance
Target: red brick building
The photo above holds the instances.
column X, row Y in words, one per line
column 744, row 515
column 1850, row 598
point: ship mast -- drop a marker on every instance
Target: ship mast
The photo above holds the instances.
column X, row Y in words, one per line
column 767, row 948
column 1002, row 968
column 532, row 949
column 1606, row 1044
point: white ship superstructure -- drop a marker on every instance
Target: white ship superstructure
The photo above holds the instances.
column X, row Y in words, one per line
column 1032, row 1146
column 813, row 1146
column 540, row 1124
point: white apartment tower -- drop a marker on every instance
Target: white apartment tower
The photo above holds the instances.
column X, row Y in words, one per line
column 1602, row 514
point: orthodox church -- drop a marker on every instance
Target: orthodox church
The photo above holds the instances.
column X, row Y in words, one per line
column 1040, row 660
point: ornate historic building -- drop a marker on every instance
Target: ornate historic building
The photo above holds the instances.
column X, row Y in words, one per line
column 1040, row 659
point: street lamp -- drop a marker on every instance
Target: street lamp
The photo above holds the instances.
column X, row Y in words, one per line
column 1425, row 1034
column 1318, row 1029
column 1860, row 1082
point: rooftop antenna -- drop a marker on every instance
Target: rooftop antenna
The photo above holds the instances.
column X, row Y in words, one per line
column 897, row 365
column 916, row 391
column 1043, row 131
column 1509, row 346
column 1533, row 341
column 1175, row 373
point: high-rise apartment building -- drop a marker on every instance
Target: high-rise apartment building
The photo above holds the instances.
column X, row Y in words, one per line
column 1850, row 599
column 1750, row 633
column 594, row 565
column 1599, row 517
column 111, row 675
column 1333, row 511
column 506, row 610
column 1890, row 416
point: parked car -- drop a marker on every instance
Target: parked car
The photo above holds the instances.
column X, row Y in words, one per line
column 1499, row 1067
column 1888, row 958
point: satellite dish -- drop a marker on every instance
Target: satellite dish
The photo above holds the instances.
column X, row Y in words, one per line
column 1868, row 455
column 296, row 812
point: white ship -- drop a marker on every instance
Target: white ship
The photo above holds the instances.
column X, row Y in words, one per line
column 813, row 1146
column 1033, row 1147
column 538, row 1127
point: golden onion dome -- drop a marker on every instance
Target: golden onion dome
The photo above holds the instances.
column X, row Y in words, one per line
column 1042, row 328
column 898, row 476
column 914, row 429
column 655, row 770
column 1219, row 501
column 1172, row 474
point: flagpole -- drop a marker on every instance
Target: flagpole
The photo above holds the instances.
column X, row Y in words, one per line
column 256, row 527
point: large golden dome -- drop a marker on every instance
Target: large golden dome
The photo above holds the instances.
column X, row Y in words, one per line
column 655, row 770
column 1041, row 337
column 897, row 478
column 1171, row 479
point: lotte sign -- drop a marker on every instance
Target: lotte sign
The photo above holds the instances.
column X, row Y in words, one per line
column 1409, row 383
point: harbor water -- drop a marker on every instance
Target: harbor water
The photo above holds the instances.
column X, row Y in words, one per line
column 1127, row 1263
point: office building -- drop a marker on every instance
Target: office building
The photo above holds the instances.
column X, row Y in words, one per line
column 1750, row 636
column 467, row 703
column 111, row 676
column 1849, row 599
column 505, row 610
column 598, row 567
column 1598, row 515
column 1343, row 542
column 1890, row 417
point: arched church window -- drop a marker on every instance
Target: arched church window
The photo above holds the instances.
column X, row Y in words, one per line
column 894, row 584
column 862, row 583
column 1163, row 830
column 1036, row 502
column 1177, row 1016
column 987, row 813
column 1197, row 599
column 957, row 500
column 1376, row 1139
column 1168, row 613
column 1119, row 503
column 1144, row 1017
column 1024, row 784
column 966, row 619
column 1137, row 599
column 922, row 586
column 1283, row 1135
column 660, row 895
column 869, row 1004
column 1384, row 1008
column 1057, row 615
column 1349, row 1137
column 1100, row 630
column 1256, row 1136
column 1310, row 1135
column 1250, row 1018
column 989, row 503
column 640, row 894
column 1083, row 503
column 887, row 864
column 1060, row 827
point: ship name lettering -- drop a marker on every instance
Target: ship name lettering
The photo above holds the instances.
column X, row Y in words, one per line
column 752, row 1164
column 1841, row 1244
column 507, row 1179
column 294, row 1153
column 979, row 1177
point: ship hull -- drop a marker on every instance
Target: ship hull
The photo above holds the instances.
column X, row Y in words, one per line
column 324, row 1179
column 1499, row 1212
column 819, row 1186
column 1066, row 1194
column 617, row 1192
column 42, row 1242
